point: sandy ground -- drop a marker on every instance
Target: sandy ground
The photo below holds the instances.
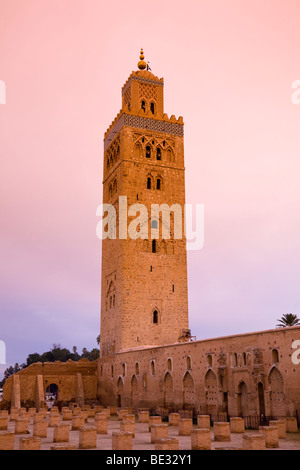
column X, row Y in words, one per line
column 142, row 439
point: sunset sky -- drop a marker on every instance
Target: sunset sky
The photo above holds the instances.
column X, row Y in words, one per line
column 228, row 68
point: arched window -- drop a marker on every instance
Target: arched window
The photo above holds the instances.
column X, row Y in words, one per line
column 152, row 367
column 158, row 153
column 137, row 368
column 148, row 151
column 235, row 359
column 244, row 359
column 209, row 360
column 123, row 369
column 155, row 316
column 152, row 107
column 143, row 105
column 154, row 246
column 169, row 364
column 188, row 362
column 158, row 184
column 148, row 182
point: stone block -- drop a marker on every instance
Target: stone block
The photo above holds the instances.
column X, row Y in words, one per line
column 185, row 426
column 14, row 414
column 143, row 417
column 221, row 431
column 67, row 415
column 167, row 444
column 237, row 425
column 154, row 420
column 101, row 425
column 122, row 440
column 88, row 437
column 21, row 426
column 40, row 429
column 54, row 419
column 63, row 447
column 3, row 423
column 254, row 442
column 174, row 419
column 127, row 426
column 270, row 434
column 281, row 426
column 77, row 422
column 291, row 424
column 203, row 421
column 30, row 443
column 7, row 440
column 121, row 413
column 61, row 433
column 129, row 417
column 159, row 431
column 200, row 439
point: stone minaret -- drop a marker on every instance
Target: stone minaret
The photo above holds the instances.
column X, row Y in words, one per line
column 144, row 281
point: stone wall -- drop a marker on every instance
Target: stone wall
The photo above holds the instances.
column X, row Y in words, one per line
column 76, row 381
column 247, row 374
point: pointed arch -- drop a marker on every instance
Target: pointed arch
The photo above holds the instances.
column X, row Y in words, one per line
column 211, row 399
column 188, row 390
column 168, row 390
column 277, row 396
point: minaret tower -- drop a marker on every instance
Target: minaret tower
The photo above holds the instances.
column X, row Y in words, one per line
column 144, row 299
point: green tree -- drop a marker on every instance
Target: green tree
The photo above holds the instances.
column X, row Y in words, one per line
column 288, row 319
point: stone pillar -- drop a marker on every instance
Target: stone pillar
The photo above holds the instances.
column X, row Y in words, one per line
column 185, row 425
column 61, row 433
column 237, row 425
column 291, row 424
column 79, row 390
column 16, row 392
column 221, row 431
column 174, row 419
column 122, row 441
column 7, row 440
column 270, row 434
column 281, row 426
column 39, row 393
column 30, row 443
column 203, row 421
column 159, row 431
column 200, row 439
column 88, row 437
column 254, row 442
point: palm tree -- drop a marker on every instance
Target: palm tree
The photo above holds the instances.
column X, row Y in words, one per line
column 288, row 319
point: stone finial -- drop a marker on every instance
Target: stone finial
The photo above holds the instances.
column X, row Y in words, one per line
column 142, row 64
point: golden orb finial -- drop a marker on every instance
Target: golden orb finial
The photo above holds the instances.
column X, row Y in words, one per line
column 142, row 64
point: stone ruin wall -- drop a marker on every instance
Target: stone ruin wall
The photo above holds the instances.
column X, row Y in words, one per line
column 242, row 375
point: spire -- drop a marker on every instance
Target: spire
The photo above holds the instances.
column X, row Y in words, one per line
column 142, row 64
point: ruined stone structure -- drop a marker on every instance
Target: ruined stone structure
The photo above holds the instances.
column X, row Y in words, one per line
column 148, row 358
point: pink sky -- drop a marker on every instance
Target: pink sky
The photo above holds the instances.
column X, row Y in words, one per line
column 228, row 67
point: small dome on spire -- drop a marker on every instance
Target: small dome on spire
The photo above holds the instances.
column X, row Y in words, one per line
column 142, row 64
